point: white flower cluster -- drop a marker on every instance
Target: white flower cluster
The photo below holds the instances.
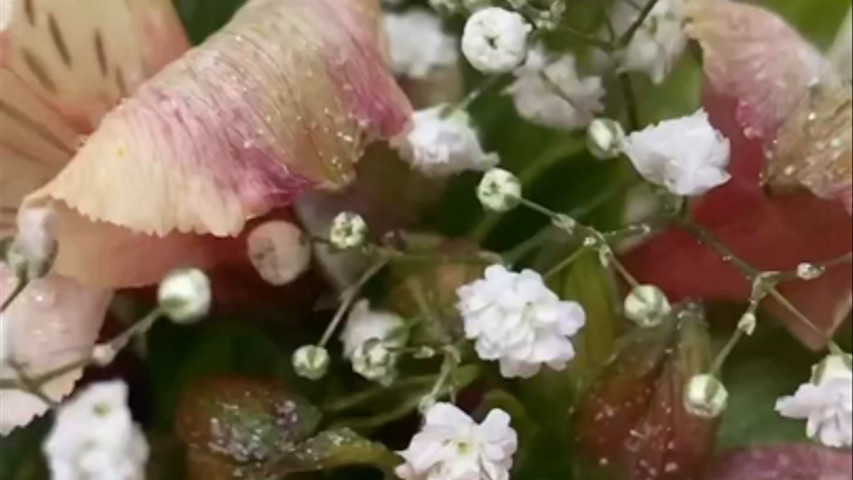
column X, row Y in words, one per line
column 370, row 339
column 685, row 155
column 826, row 403
column 94, row 438
column 658, row 43
column 451, row 446
column 518, row 321
column 442, row 142
column 549, row 91
column 418, row 43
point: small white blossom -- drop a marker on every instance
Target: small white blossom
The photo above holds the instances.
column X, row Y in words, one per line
column 686, row 155
column 550, row 92
column 451, row 446
column 808, row 271
column 517, row 320
column 706, row 396
column 94, row 437
column 444, row 144
column 369, row 339
column 826, row 403
column 748, row 323
column 311, row 362
column 418, row 44
column 499, row 190
column 349, row 230
column 495, row 40
column 184, row 295
column 658, row 43
column 605, row 138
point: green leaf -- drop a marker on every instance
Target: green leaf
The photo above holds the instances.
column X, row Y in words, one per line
column 763, row 368
column 203, row 17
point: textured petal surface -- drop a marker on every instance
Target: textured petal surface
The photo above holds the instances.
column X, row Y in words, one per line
column 755, row 56
column 63, row 65
column 53, row 322
column 784, row 462
column 282, row 99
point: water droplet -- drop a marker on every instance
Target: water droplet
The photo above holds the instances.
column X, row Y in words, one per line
column 43, row 295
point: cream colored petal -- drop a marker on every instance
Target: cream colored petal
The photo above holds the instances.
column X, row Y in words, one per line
column 63, row 65
column 282, row 100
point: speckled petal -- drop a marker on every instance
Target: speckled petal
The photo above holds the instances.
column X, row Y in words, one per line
column 280, row 101
column 753, row 55
column 53, row 322
column 63, row 65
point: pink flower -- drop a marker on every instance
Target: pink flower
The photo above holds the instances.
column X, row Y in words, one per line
column 153, row 156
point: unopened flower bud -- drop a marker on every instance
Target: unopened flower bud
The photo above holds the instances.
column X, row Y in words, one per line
column 499, row 190
column 103, row 355
column 33, row 250
column 279, row 251
column 184, row 295
column 375, row 362
column 647, row 306
column 604, row 138
column 349, row 230
column 808, row 271
column 311, row 362
column 706, row 396
column 748, row 323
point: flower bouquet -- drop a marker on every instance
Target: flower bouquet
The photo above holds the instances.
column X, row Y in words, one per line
column 426, row 240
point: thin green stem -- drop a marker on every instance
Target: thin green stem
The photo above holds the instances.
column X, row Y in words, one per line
column 727, row 350
column 349, row 297
column 631, row 104
column 20, row 286
column 626, row 38
column 566, row 262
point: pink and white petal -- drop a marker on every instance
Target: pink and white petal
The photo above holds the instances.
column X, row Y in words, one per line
column 280, row 101
column 755, row 56
column 53, row 322
column 788, row 461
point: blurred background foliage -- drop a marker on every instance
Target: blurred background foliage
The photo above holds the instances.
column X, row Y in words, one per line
column 558, row 172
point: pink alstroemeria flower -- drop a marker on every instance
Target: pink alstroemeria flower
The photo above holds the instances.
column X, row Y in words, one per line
column 787, row 113
column 154, row 156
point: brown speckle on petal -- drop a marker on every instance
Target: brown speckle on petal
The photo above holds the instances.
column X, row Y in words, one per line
column 100, row 53
column 58, row 40
column 30, row 10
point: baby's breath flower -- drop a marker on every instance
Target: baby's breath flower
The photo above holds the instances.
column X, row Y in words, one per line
column 94, row 437
column 349, row 230
column 451, row 446
column 499, row 190
column 515, row 319
column 184, row 295
column 658, row 43
column 686, row 155
column 370, row 338
column 550, row 92
column 647, row 305
column 826, row 403
column 418, row 43
column 444, row 143
column 311, row 362
column 706, row 396
column 604, row 138
column 495, row 40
